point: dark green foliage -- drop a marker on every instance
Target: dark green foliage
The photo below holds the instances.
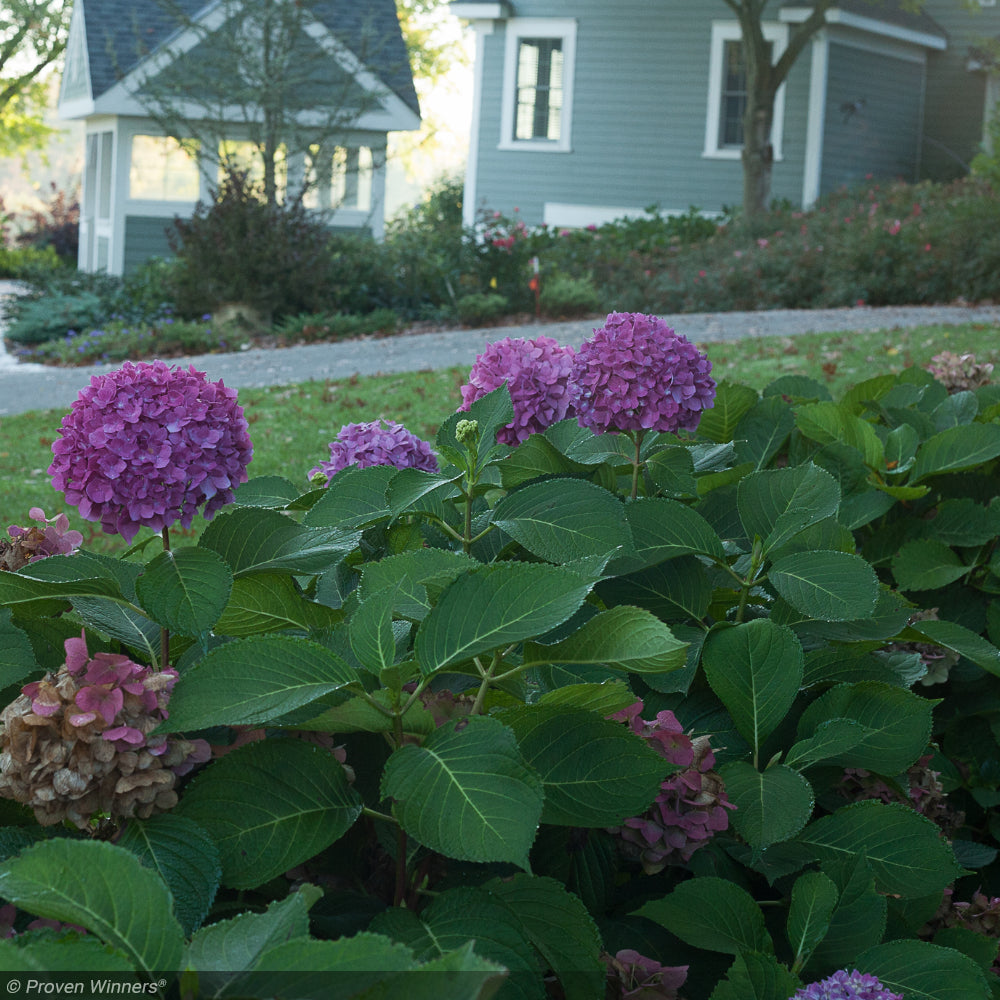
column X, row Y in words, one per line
column 270, row 258
column 877, row 245
column 479, row 307
column 562, row 296
column 811, row 584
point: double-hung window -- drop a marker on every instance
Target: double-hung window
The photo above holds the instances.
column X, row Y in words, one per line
column 727, row 90
column 538, row 78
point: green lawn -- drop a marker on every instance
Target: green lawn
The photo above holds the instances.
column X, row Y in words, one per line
column 291, row 425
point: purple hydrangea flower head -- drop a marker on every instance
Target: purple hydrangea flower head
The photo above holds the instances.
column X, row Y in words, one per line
column 148, row 444
column 636, row 374
column 537, row 373
column 691, row 806
column 844, row 985
column 379, row 442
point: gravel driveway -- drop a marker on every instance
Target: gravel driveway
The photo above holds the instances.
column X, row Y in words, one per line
column 34, row 387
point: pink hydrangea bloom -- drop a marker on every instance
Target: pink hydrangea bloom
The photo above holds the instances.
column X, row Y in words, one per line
column 636, row 374
column 843, row 985
column 537, row 373
column 53, row 538
column 379, row 442
column 633, row 976
column 692, row 805
column 147, row 445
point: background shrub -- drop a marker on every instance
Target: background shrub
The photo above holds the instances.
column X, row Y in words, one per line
column 561, row 295
column 479, row 307
column 57, row 225
column 271, row 258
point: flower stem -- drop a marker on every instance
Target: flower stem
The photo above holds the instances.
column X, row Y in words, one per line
column 397, row 726
column 636, row 463
column 165, row 633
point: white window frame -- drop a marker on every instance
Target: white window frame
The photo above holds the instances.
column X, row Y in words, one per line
column 729, row 31
column 518, row 28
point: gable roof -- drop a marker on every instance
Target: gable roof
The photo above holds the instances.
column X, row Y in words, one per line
column 117, row 39
column 890, row 13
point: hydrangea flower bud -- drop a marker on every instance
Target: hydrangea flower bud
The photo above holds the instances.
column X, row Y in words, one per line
column 844, row 985
column 537, row 373
column 30, row 544
column 378, row 442
column 636, row 374
column 147, row 445
column 77, row 742
column 691, row 807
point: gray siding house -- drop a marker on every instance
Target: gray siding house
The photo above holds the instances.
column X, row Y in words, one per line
column 586, row 111
column 137, row 180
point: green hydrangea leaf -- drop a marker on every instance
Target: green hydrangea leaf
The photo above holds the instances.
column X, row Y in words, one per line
column 185, row 590
column 777, row 504
column 266, row 491
column 184, row 856
column 756, row 976
column 262, row 823
column 234, row 945
column 771, row 805
column 756, row 670
column 103, row 888
column 624, row 638
column 250, row 681
column 897, row 724
column 814, row 899
column 711, row 913
column 560, row 520
column 355, row 498
column 924, row 971
column 595, row 772
column 830, row 586
column 467, row 792
column 271, row 602
column 494, row 606
column 905, row 851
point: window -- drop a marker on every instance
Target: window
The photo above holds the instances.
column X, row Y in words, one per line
column 343, row 180
column 537, row 86
column 162, row 170
column 727, row 90
column 247, row 157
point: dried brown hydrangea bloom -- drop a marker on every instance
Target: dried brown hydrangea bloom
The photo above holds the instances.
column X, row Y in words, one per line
column 960, row 372
column 77, row 743
column 27, row 545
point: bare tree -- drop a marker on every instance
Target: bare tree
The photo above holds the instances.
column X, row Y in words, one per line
column 763, row 79
column 270, row 72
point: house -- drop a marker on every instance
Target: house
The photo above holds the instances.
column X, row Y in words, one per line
column 122, row 59
column 586, row 111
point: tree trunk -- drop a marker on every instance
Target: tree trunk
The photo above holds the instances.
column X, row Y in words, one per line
column 758, row 155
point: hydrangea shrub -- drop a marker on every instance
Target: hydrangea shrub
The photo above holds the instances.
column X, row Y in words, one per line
column 532, row 720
